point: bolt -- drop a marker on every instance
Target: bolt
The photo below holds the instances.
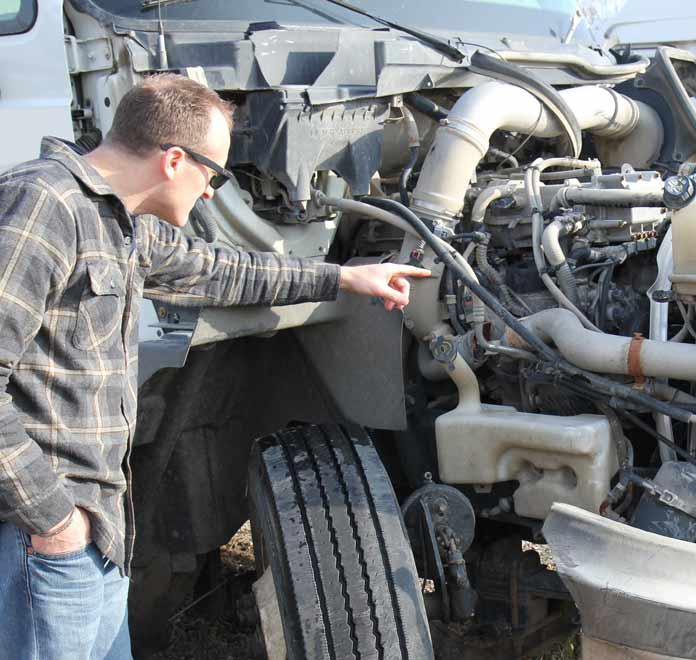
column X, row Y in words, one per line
column 441, row 507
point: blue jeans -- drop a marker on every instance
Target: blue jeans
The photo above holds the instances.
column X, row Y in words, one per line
column 60, row 607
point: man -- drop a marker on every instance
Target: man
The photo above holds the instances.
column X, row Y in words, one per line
column 77, row 249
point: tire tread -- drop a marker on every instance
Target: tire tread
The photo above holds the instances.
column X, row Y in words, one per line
column 348, row 566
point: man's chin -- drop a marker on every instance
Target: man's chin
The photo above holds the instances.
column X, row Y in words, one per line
column 175, row 220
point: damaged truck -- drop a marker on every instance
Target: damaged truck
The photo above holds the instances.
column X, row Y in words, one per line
column 538, row 389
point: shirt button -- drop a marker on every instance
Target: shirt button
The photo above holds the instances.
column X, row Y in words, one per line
column 112, row 284
column 127, row 240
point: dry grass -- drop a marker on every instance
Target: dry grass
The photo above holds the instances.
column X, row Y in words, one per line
column 238, row 554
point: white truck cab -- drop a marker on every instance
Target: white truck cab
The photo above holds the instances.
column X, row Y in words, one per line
column 644, row 25
column 35, row 94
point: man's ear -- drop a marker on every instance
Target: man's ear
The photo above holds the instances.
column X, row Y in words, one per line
column 171, row 161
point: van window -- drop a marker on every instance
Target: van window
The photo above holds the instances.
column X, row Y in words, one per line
column 16, row 16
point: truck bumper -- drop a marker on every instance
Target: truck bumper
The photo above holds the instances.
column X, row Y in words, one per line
column 635, row 590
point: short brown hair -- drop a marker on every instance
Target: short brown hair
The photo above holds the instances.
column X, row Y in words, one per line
column 165, row 109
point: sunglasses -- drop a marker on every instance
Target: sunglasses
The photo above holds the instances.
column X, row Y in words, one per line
column 221, row 176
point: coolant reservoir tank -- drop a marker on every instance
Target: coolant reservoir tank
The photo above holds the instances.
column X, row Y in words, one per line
column 554, row 459
column 680, row 195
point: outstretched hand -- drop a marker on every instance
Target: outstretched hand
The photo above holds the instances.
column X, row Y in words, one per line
column 387, row 281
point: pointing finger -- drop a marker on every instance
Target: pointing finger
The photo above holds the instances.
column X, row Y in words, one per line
column 410, row 271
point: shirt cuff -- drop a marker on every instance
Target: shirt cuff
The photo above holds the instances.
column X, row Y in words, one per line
column 328, row 279
column 41, row 516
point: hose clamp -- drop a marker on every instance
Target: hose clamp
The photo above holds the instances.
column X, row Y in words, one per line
column 634, row 368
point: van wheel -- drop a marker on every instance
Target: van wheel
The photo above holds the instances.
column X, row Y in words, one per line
column 327, row 527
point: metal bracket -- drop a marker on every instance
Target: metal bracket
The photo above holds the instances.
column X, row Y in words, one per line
column 666, row 497
column 87, row 55
column 671, row 500
column 434, row 565
column 396, row 110
column 442, row 231
column 441, row 523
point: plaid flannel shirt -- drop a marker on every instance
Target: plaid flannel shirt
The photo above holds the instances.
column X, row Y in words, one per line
column 73, row 268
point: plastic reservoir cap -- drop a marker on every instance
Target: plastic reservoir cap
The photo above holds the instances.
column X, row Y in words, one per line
column 679, row 191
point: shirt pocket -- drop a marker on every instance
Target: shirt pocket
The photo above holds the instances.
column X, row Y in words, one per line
column 100, row 312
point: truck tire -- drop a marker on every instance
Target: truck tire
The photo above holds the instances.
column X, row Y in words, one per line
column 326, row 522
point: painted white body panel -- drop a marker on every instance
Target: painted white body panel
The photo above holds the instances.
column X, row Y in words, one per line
column 35, row 90
column 646, row 24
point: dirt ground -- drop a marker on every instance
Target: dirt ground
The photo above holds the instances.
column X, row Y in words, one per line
column 196, row 638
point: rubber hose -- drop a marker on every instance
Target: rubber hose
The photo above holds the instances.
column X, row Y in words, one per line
column 494, row 277
column 566, row 197
column 504, row 156
column 426, row 106
column 566, row 280
column 406, row 175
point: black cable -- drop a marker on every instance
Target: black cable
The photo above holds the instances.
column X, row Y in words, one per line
column 453, row 307
column 597, row 264
column 406, row 175
column 556, row 362
column 658, row 436
column 604, row 286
